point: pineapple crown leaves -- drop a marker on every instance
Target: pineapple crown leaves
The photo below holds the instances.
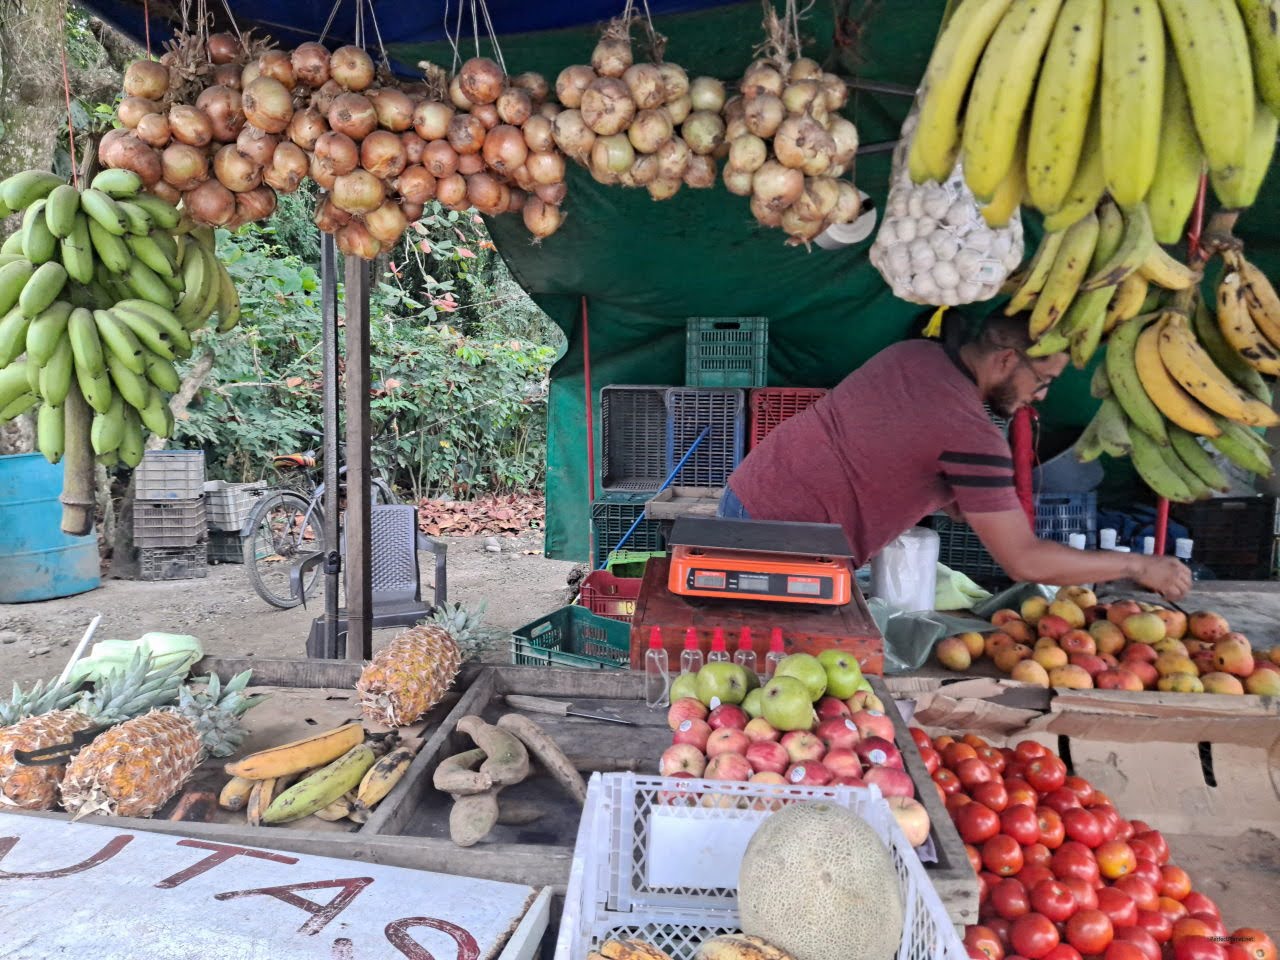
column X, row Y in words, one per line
column 464, row 626
column 40, row 699
column 216, row 711
column 126, row 693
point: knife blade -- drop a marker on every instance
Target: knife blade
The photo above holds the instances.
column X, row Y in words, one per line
column 558, row 708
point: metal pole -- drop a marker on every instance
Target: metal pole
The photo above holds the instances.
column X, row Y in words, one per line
column 329, row 399
column 359, row 643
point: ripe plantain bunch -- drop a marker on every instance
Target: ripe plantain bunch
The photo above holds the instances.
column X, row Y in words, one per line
column 100, row 291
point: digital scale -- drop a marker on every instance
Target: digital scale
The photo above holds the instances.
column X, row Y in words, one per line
column 760, row 560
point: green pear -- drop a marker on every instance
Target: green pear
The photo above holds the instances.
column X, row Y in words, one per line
column 808, row 670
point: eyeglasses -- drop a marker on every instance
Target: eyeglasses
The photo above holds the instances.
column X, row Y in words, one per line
column 1042, row 383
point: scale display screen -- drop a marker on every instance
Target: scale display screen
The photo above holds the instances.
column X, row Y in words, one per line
column 758, row 584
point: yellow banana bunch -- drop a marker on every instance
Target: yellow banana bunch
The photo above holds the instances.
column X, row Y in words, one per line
column 298, row 755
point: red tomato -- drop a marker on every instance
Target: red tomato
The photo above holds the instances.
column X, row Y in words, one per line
column 1033, row 936
column 1216, row 926
column 953, row 753
column 982, row 941
column 1173, row 909
column 973, row 740
column 1140, row 826
column 1110, row 820
column 1032, row 874
column 1052, row 831
column 975, row 858
column 1081, row 787
column 993, row 758
column 1063, row 951
column 1175, row 883
column 976, row 822
column 1054, row 899
column 1083, row 826
column 1198, row 948
column 993, row 795
column 1148, row 871
column 1028, row 750
column 1124, row 950
column 943, row 741
column 1046, row 773
column 955, row 801
column 947, row 781
column 921, row 738
column 1119, row 906
column 1139, row 938
column 1019, row 822
column 1255, row 944
column 1000, row 927
column 1143, row 849
column 1156, row 924
column 1197, row 902
column 1021, row 792
column 1191, row 927
column 1074, row 859
column 1156, row 838
column 973, row 772
column 1009, row 897
column 1089, row 931
column 1115, row 859
column 1237, row 952
column 1125, row 832
column 1061, row 800
column 1037, row 854
column 1085, row 893
column 1002, row 855
column 932, row 759
column 1142, row 892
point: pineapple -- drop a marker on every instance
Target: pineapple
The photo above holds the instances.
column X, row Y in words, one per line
column 408, row 676
column 46, row 721
column 133, row 769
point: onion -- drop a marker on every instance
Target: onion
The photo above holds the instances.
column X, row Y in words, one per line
column 431, row 119
column 235, row 171
column 257, row 146
column 797, row 97
column 147, row 79
column 353, row 115
column 133, row 109
column 607, row 106
column 351, row 67
column 613, row 154
column 765, row 214
column 210, row 203
column 800, row 227
column 540, row 218
column 227, row 75
column 848, row 204
column 222, row 106
column 223, row 48
column 311, row 64
column 572, row 134
column 249, row 73
column 552, row 193
column 748, row 153
column 550, row 110
column 835, row 92
column 735, row 108
column 487, row 114
column 539, row 134
column 606, row 177
column 451, row 191
column 466, row 133
column 382, row 154
column 456, row 96
column 523, row 179
column 257, row 204
column 804, row 69
column 518, row 199
column 355, row 240
column 703, row 131
column 546, row 168
column 324, row 96
column 761, row 77
column 738, row 182
column 278, row 65
column 166, row 192
column 707, row 93
column 413, row 145
column 611, row 57
column 387, row 223
column 819, row 198
column 485, row 194
column 845, row 136
column 776, row 186
column 514, row 106
column 534, row 84
column 440, row 159
column 288, row 167
column 412, row 211
column 481, row 80
column 572, row 83
column 358, row 192
column 733, row 129
column 645, row 170
column 764, row 114
column 328, row 217
column 650, row 130
column 337, row 153
column 802, row 144
column 189, row 125
column 470, row 163
column 504, row 148
column 393, row 109
column 130, row 153
column 818, row 110
column 109, row 147
column 675, row 82
column 416, row 184
column 644, row 81
column 673, row 159
column 153, row 130
column 306, row 127
column 701, row 173
column 679, row 109
column 268, row 105
column 664, row 188
column 321, row 174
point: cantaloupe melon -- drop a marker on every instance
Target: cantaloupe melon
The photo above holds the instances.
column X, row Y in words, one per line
column 817, row 882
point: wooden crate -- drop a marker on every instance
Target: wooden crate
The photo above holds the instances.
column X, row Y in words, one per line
column 675, row 502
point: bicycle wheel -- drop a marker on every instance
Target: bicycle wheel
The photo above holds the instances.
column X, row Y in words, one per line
column 280, row 533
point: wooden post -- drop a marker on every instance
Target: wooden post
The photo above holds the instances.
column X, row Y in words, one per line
column 359, row 643
column 78, row 467
column 332, row 484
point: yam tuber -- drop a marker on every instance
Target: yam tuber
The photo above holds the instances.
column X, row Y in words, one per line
column 513, row 813
column 472, row 817
column 458, row 774
column 508, row 761
column 548, row 753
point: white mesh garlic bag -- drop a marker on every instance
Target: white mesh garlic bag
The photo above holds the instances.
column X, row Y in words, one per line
column 934, row 247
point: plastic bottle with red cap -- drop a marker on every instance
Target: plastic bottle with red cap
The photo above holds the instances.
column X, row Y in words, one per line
column 745, row 655
column 777, row 652
column 691, row 659
column 657, row 676
column 719, row 651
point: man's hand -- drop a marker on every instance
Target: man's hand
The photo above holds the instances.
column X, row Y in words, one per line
column 1166, row 576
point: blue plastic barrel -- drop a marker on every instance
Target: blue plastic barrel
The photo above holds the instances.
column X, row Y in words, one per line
column 37, row 560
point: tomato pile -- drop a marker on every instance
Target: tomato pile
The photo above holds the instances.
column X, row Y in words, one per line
column 1062, row 876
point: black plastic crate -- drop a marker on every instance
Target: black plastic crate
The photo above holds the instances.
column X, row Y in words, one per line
column 689, row 411
column 173, row 563
column 612, row 516
column 1058, row 515
column 633, row 431
column 226, row 546
column 960, row 549
column 1234, row 536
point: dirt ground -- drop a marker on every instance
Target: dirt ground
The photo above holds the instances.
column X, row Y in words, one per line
column 517, row 583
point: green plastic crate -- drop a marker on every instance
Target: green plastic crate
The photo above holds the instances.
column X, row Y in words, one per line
column 726, row 351
column 573, row 637
column 630, row 563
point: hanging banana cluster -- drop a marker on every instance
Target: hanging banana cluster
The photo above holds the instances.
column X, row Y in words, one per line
column 101, row 290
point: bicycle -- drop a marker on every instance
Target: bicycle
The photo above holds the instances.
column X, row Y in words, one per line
column 288, row 523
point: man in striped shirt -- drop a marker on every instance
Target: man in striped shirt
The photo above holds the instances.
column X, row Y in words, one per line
column 907, row 434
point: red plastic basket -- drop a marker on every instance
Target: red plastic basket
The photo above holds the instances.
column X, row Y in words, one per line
column 608, row 596
column 771, row 405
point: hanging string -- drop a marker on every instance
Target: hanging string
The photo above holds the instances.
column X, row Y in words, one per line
column 493, row 36
column 457, row 56
column 329, row 23
column 146, row 27
column 377, row 32
column 71, row 127
column 475, row 27
column 232, row 17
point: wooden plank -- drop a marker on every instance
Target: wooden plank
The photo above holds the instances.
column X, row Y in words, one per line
column 359, row 464
column 526, row 941
column 283, row 673
column 1151, row 703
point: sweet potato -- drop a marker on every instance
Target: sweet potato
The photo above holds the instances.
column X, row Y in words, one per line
column 548, row 753
column 458, row 775
column 507, row 760
column 472, row 817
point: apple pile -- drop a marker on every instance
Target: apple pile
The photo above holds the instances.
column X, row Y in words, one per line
column 1062, row 876
column 1078, row 643
column 816, row 722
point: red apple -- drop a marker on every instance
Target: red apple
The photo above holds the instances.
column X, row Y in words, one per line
column 892, row 781
column 873, row 723
column 728, row 766
column 682, row 758
column 728, row 715
column 765, row 756
column 693, row 732
column 811, row 773
column 803, row 746
column 912, row 819
column 843, row 762
column 1053, row 626
column 879, row 751
column 727, row 740
column 678, row 798
column 849, row 782
column 761, row 729
column 829, row 707
column 1092, row 664
column 838, row 732
column 690, row 708
column 768, row 777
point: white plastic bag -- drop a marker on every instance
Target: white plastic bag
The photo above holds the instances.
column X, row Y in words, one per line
column 905, row 573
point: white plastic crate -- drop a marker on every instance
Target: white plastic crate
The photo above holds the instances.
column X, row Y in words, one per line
column 228, row 505
column 657, row 859
column 170, row 475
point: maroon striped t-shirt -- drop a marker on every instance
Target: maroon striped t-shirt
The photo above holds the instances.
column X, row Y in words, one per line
column 904, row 435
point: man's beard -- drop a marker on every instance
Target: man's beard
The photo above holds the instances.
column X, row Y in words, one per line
column 1003, row 398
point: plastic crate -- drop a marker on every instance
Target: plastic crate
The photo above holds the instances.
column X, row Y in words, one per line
column 226, row 546
column 612, row 516
column 689, row 412
column 630, row 564
column 169, row 475
column 169, row 523
column 636, row 873
column 1234, row 536
column 726, row 351
column 227, row 505
column 633, row 431
column 960, row 549
column 610, row 596
column 1058, row 515
column 770, row 406
column 173, row 563
column 572, row 637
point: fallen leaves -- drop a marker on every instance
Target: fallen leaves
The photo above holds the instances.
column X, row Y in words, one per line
column 508, row 515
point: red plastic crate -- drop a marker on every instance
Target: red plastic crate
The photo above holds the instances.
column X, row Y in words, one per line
column 771, row 405
column 608, row 596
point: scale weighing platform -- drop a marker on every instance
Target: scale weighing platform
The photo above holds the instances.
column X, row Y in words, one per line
column 760, row 560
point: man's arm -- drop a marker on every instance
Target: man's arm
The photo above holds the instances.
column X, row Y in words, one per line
column 1013, row 544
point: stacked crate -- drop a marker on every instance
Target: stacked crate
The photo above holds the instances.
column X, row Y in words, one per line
column 227, row 507
column 169, row 525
